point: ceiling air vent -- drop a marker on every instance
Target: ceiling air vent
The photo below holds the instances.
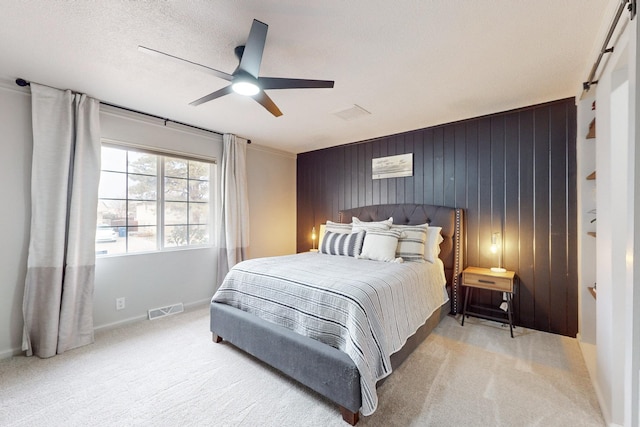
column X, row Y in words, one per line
column 352, row 113
column 156, row 313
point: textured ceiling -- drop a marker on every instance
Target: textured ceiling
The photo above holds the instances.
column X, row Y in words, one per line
column 411, row 64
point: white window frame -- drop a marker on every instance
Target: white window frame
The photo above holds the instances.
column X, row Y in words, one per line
column 160, row 199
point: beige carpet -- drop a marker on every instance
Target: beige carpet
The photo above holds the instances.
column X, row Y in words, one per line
column 167, row 372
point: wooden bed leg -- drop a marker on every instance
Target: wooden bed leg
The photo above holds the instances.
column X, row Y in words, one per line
column 350, row 417
column 215, row 337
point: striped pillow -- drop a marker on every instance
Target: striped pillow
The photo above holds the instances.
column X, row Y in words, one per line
column 411, row 242
column 334, row 227
column 342, row 244
column 371, row 225
column 337, row 227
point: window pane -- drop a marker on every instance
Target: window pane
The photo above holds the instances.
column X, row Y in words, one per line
column 198, row 213
column 113, row 185
column 142, row 187
column 114, row 159
column 142, row 239
column 175, row 213
column 199, row 170
column 175, row 235
column 108, row 241
column 143, row 163
column 142, row 213
column 110, row 210
column 198, row 191
column 198, row 234
column 175, row 168
column 175, row 189
column 111, row 248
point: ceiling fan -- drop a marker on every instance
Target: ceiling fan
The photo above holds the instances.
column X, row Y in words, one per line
column 245, row 80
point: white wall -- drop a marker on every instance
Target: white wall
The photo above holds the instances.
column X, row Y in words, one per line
column 272, row 194
column 145, row 280
column 158, row 279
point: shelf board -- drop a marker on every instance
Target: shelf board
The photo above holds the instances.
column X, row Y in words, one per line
column 591, row 176
column 592, row 291
column 592, row 129
column 591, row 233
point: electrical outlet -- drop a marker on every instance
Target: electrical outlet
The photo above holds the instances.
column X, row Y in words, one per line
column 120, row 303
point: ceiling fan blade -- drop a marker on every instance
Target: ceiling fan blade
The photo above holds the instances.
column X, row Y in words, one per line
column 217, row 94
column 252, row 55
column 282, row 83
column 157, row 53
column 264, row 100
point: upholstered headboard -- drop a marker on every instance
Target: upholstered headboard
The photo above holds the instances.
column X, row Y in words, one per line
column 451, row 221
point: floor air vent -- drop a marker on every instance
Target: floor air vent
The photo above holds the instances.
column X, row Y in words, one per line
column 156, row 313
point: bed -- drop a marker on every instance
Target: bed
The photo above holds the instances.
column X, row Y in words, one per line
column 335, row 373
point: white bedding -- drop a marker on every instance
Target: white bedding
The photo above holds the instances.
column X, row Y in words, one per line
column 365, row 308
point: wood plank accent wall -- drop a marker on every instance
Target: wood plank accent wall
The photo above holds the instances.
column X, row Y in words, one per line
column 513, row 172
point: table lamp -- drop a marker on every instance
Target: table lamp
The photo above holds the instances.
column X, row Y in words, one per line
column 495, row 247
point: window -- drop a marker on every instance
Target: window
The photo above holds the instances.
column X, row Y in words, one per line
column 149, row 202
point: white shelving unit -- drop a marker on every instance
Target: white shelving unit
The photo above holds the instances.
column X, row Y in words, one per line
column 587, row 214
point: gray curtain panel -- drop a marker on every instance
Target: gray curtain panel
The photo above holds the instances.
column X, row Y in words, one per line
column 58, row 295
column 233, row 228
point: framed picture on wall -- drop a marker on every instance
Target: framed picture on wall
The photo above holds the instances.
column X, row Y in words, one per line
column 392, row 166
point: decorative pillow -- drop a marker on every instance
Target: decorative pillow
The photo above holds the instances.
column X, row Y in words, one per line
column 432, row 245
column 334, row 227
column 372, row 225
column 342, row 244
column 337, row 227
column 380, row 245
column 411, row 242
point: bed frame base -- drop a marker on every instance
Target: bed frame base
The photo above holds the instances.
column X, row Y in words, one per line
column 274, row 345
column 349, row 416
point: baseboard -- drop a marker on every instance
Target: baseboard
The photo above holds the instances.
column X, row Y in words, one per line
column 187, row 307
column 8, row 354
column 197, row 304
column 119, row 323
column 590, row 356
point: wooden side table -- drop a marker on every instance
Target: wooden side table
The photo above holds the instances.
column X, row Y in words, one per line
column 484, row 278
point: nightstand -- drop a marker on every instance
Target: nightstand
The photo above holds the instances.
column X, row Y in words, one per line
column 484, row 278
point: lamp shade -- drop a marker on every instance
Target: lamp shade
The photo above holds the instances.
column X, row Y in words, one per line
column 496, row 247
column 313, row 238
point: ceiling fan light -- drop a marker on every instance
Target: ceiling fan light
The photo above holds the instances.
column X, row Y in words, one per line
column 245, row 88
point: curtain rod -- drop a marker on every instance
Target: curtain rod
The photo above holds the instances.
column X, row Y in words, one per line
column 23, row 83
column 631, row 6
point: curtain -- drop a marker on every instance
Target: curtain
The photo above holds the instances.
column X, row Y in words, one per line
column 58, row 294
column 234, row 214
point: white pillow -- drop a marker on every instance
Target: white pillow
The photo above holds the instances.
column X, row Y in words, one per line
column 432, row 245
column 411, row 243
column 371, row 225
column 380, row 245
